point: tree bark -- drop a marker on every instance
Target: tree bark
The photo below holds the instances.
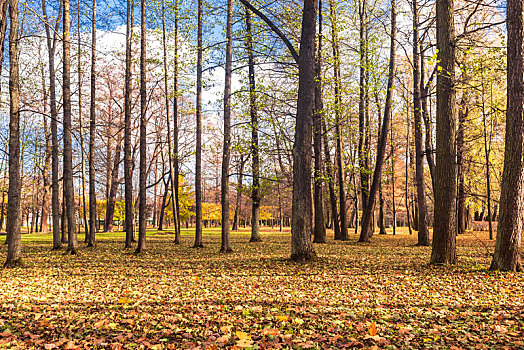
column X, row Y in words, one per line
column 338, row 137
column 198, row 153
column 239, row 194
column 92, row 130
column 423, row 232
column 444, row 231
column 226, row 153
column 507, row 246
column 301, row 230
column 142, row 181
column 367, row 217
column 69, row 194
column 319, row 227
column 128, row 163
column 111, row 200
column 461, row 198
column 14, row 214
column 175, row 132
column 55, row 196
column 255, row 192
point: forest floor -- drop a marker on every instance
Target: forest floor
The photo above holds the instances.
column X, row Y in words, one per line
column 381, row 295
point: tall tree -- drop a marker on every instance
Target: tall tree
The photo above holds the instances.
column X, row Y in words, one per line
column 55, row 195
column 367, row 217
column 92, row 130
column 319, row 227
column 142, row 181
column 423, row 232
column 198, row 153
column 301, row 230
column 444, row 230
column 226, row 153
column 128, row 165
column 253, row 112
column 14, row 214
column 338, row 137
column 507, row 246
column 175, row 130
column 69, row 193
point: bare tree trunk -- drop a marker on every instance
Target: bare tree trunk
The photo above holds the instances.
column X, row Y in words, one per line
column 175, row 132
column 319, row 228
column 92, row 130
column 406, row 188
column 81, row 134
column 55, row 196
column 69, row 194
column 171, row 155
column 44, row 225
column 198, row 153
column 142, row 182
column 163, row 206
column 128, row 163
column 424, row 92
column 423, row 232
column 301, row 230
column 487, row 150
column 111, row 200
column 444, row 231
column 14, row 235
column 226, row 153
column 507, row 246
column 255, row 193
column 461, row 198
column 367, row 217
column 393, row 201
column 239, row 194
column 338, row 137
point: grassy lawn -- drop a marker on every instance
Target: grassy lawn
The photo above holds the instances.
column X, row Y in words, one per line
column 379, row 295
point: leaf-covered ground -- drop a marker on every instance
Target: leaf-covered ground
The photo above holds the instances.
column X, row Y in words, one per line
column 382, row 295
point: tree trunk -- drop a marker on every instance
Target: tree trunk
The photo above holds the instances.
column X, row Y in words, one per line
column 255, row 193
column 198, row 153
column 461, row 198
column 92, row 130
column 367, row 216
column 55, row 196
column 142, row 181
column 239, row 194
column 301, row 230
column 111, row 200
column 226, row 153
column 423, row 232
column 406, row 188
column 338, row 137
column 128, row 163
column 507, row 246
column 444, row 231
column 175, row 131
column 393, row 201
column 14, row 235
column 69, row 194
column 163, row 206
column 319, row 228
column 487, row 150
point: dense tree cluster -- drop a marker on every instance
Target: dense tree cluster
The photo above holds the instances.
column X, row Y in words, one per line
column 348, row 116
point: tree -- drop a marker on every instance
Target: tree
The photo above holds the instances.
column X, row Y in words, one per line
column 338, row 137
column 198, row 153
column 253, row 112
column 319, row 228
column 226, row 154
column 369, row 207
column 444, row 229
column 55, row 196
column 128, row 166
column 142, row 182
column 423, row 233
column 69, row 193
column 14, row 218
column 507, row 246
column 92, row 130
column 301, row 225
